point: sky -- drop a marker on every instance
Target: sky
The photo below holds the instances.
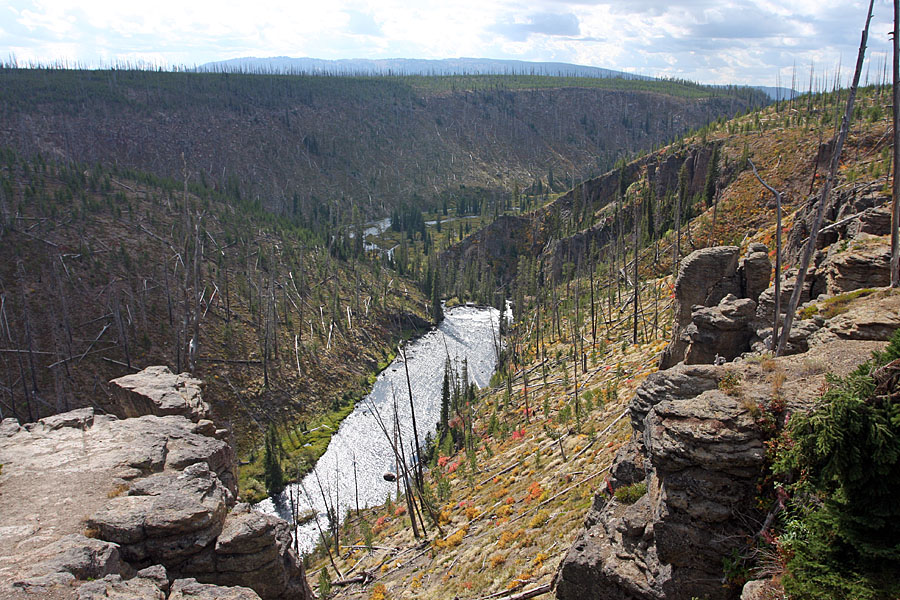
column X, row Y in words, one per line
column 758, row 42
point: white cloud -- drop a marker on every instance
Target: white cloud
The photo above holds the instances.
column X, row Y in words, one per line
column 722, row 41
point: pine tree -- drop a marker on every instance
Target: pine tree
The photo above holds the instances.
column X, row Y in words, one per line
column 712, row 174
column 274, row 476
column 437, row 313
column 445, row 399
column 843, row 540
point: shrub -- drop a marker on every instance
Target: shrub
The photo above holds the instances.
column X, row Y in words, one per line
column 539, row 519
column 843, row 524
column 324, row 583
column 730, row 383
column 630, row 494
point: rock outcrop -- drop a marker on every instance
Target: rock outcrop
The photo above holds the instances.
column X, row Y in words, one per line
column 143, row 506
column 702, row 455
column 715, row 301
column 699, row 452
column 861, row 266
column 158, row 391
column 719, row 332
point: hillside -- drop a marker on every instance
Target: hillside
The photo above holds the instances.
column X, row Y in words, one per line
column 104, row 271
column 307, row 145
column 553, row 438
column 408, row 66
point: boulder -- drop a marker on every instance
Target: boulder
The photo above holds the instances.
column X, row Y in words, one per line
column 253, row 549
column 116, row 588
column 71, row 557
column 158, row 391
column 166, row 517
column 765, row 306
column 861, row 266
column 705, row 277
column 755, row 271
column 760, row 589
column 874, row 317
column 190, row 589
column 629, row 466
column 678, row 383
column 81, row 418
column 721, row 331
column 874, row 221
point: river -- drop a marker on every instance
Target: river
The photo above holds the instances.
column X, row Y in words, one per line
column 465, row 333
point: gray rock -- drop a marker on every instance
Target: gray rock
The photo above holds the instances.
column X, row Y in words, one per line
column 254, row 550
column 873, row 319
column 874, row 221
column 803, row 331
column 157, row 574
column 83, row 557
column 166, row 517
column 629, row 465
column 81, row 418
column 705, row 277
column 680, row 382
column 158, row 491
column 190, row 589
column 864, row 267
column 719, row 331
column 158, row 391
column 9, row 427
column 711, row 431
column 703, row 458
column 114, row 587
column 761, row 590
column 755, row 271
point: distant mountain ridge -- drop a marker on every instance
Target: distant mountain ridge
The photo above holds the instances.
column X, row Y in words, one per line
column 411, row 66
column 419, row 66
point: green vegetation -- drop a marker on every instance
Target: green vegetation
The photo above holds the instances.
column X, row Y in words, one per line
column 840, row 467
column 274, row 477
column 836, row 305
column 297, row 447
column 630, row 494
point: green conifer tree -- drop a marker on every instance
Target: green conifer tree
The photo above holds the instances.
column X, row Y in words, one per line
column 274, row 476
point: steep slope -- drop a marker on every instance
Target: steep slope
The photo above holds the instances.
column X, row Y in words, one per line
column 538, row 450
column 301, row 143
column 105, row 271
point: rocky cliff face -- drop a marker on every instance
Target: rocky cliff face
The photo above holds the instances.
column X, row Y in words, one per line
column 144, row 505
column 565, row 229
column 699, row 452
column 696, row 448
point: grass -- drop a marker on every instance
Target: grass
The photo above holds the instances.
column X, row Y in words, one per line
column 840, row 304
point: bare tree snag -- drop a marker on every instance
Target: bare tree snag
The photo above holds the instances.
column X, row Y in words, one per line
column 823, row 199
column 777, row 195
column 895, row 212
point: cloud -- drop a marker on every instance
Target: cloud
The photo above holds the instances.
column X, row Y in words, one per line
column 716, row 41
column 363, row 24
column 551, row 24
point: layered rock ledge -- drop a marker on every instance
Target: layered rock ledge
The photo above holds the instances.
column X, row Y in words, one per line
column 699, row 452
column 94, row 506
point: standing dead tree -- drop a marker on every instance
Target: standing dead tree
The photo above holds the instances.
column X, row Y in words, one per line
column 895, row 209
column 777, row 196
column 823, row 198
